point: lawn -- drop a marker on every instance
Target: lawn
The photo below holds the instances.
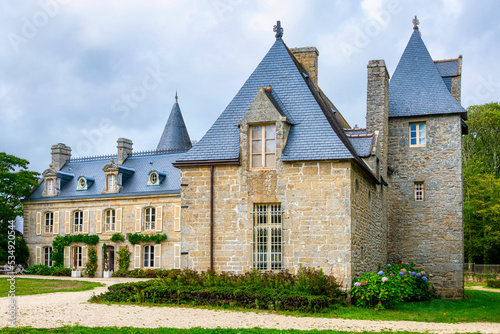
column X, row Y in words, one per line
column 33, row 286
column 131, row 330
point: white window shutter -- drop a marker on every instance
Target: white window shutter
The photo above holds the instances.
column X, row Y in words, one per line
column 38, row 259
column 157, row 256
column 67, row 223
column 67, row 252
column 86, row 221
column 118, row 226
column 159, row 219
column 138, row 219
column 177, row 217
column 98, row 221
column 38, row 226
column 56, row 222
column 177, row 256
column 137, row 256
column 85, row 255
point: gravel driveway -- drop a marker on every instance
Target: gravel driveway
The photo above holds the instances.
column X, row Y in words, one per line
column 71, row 308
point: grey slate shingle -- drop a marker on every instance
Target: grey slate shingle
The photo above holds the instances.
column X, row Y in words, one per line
column 416, row 87
column 362, row 145
column 311, row 136
column 175, row 135
column 447, row 68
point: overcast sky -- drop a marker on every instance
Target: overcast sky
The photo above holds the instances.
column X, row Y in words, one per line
column 85, row 73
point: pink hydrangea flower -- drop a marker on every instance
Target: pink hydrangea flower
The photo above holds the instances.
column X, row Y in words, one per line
column 384, row 279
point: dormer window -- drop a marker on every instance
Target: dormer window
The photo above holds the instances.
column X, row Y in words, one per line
column 263, row 146
column 111, row 182
column 50, row 186
column 155, row 178
column 82, row 183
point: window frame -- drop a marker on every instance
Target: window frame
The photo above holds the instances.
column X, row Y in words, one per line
column 110, row 220
column 149, row 250
column 267, row 245
column 418, row 137
column 48, row 225
column 46, row 257
column 78, row 257
column 77, row 228
column 111, row 181
column 263, row 153
column 148, row 223
column 418, row 194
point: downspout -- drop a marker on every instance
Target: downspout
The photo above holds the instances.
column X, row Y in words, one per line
column 212, row 217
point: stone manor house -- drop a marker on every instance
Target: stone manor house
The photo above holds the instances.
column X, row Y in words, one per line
column 280, row 180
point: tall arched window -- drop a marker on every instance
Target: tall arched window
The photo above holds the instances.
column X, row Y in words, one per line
column 109, row 220
column 49, row 222
column 150, row 218
column 78, row 221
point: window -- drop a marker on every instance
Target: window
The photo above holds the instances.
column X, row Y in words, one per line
column 267, row 237
column 417, row 134
column 78, row 221
column 109, row 220
column 78, row 257
column 82, row 183
column 50, row 186
column 46, row 256
column 150, row 218
column 149, row 256
column 419, row 191
column 111, row 182
column 263, row 146
column 49, row 222
column 153, row 178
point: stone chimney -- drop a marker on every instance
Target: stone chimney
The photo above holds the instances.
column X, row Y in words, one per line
column 377, row 108
column 60, row 155
column 308, row 58
column 124, row 150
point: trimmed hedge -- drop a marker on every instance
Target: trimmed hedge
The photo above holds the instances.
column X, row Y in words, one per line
column 493, row 283
column 308, row 291
column 40, row 269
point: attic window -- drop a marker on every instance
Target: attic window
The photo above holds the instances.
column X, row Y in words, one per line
column 82, row 183
column 154, row 179
column 263, row 146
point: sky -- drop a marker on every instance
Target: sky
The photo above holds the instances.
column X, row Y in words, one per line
column 85, row 73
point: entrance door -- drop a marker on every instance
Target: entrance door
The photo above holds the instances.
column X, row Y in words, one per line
column 111, row 258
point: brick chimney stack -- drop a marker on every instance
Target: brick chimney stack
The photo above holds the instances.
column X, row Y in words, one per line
column 124, row 149
column 60, row 155
column 377, row 108
column 308, row 58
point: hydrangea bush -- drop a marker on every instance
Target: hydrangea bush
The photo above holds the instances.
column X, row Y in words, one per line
column 391, row 285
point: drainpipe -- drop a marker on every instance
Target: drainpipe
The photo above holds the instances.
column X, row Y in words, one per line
column 212, row 217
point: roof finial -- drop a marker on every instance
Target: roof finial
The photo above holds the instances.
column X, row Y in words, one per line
column 416, row 22
column 176, row 97
column 278, row 30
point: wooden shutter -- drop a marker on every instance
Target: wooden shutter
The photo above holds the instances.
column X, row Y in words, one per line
column 67, row 223
column 177, row 256
column 38, row 226
column 38, row 258
column 137, row 256
column 138, row 219
column 56, row 223
column 74, row 256
column 86, row 221
column 118, row 221
column 157, row 256
column 85, row 255
column 177, row 217
column 159, row 219
column 67, row 252
column 98, row 221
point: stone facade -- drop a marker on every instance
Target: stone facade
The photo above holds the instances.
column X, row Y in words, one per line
column 428, row 232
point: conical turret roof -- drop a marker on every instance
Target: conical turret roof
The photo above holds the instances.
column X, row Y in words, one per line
column 175, row 136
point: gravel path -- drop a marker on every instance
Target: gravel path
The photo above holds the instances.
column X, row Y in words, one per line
column 71, row 308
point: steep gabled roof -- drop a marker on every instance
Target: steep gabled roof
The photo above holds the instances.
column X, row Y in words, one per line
column 175, row 135
column 416, row 87
column 311, row 135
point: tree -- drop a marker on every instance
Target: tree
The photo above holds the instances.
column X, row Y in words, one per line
column 16, row 183
column 481, row 170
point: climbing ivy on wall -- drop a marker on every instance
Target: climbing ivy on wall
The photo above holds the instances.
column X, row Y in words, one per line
column 136, row 238
column 60, row 242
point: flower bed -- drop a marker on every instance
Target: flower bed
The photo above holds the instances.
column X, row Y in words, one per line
column 391, row 285
column 41, row 269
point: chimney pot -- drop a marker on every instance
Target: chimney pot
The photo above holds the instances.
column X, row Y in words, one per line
column 124, row 149
column 60, row 155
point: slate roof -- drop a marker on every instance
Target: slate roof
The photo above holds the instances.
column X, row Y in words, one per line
column 175, row 135
column 416, row 87
column 355, row 131
column 311, row 136
column 447, row 68
column 136, row 184
column 362, row 145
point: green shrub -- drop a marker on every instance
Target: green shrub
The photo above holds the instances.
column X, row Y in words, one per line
column 310, row 290
column 91, row 266
column 123, row 261
column 117, row 237
column 156, row 238
column 41, row 269
column 493, row 283
column 394, row 284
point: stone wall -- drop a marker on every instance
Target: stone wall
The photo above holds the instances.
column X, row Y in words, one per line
column 128, row 206
column 428, row 232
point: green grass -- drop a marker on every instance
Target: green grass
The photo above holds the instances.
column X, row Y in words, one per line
column 34, row 286
column 131, row 330
column 475, row 284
